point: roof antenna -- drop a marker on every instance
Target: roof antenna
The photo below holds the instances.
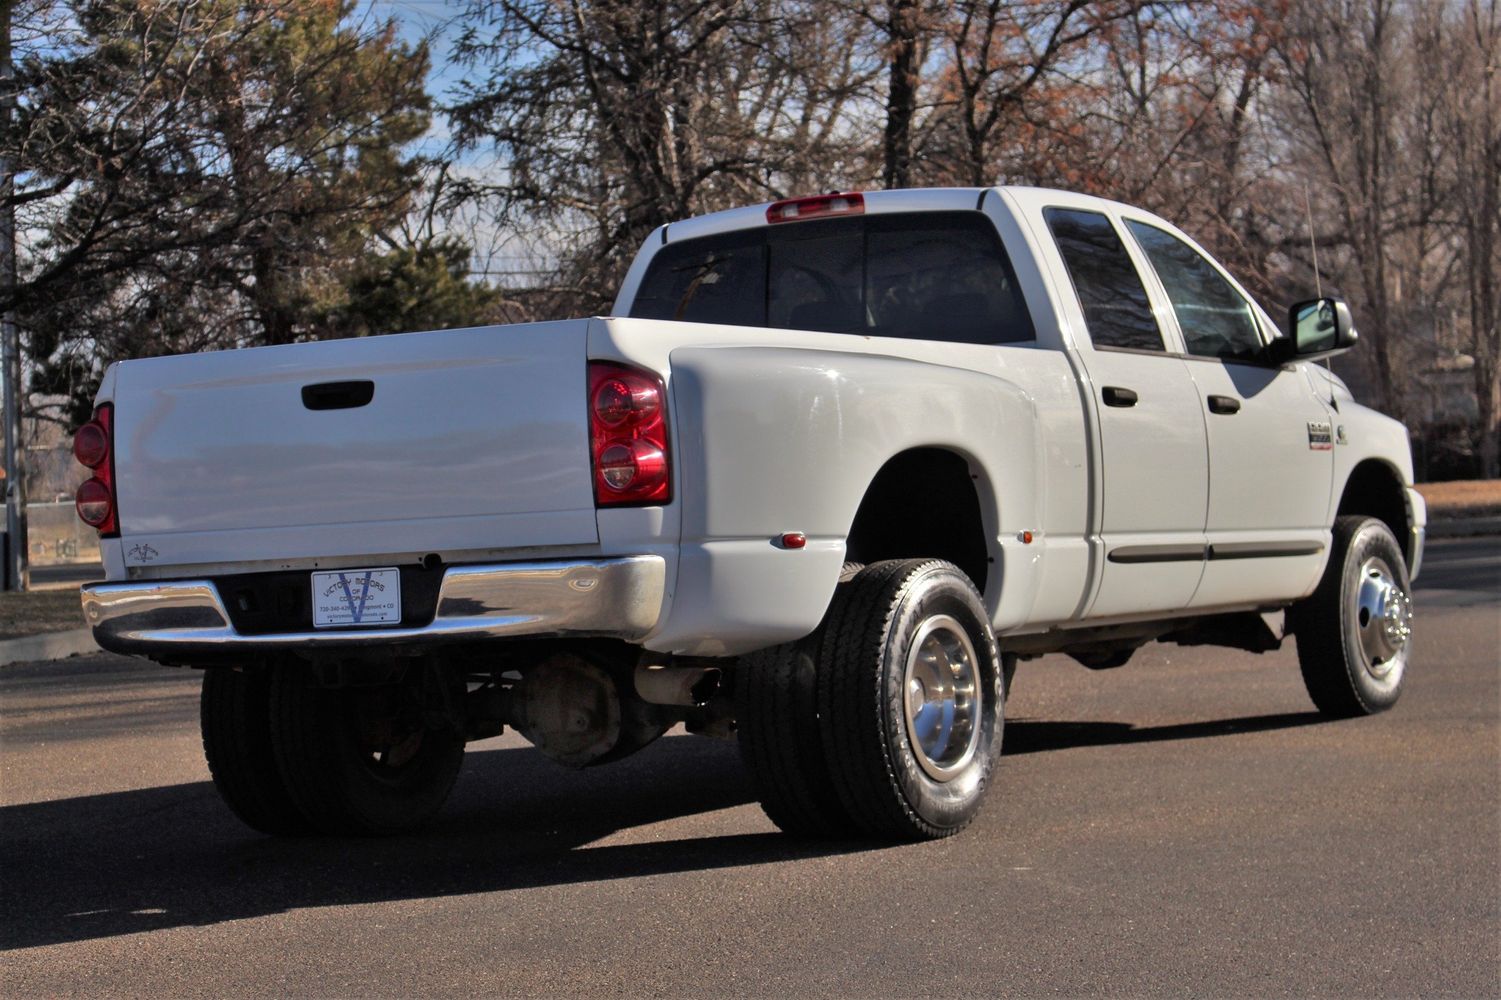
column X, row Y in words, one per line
column 1318, row 283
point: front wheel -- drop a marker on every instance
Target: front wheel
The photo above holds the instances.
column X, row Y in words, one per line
column 1355, row 631
column 910, row 697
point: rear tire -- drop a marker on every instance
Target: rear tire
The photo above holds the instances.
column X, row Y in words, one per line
column 1354, row 632
column 910, row 698
column 235, row 718
column 776, row 707
column 361, row 760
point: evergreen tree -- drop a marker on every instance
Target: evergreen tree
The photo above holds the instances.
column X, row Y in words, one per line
column 204, row 174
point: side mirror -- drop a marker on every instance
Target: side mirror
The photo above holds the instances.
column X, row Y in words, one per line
column 1320, row 328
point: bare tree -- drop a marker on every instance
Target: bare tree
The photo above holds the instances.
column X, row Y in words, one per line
column 197, row 171
column 1014, row 67
column 1474, row 133
column 609, row 118
column 1182, row 131
column 904, row 33
column 1343, row 60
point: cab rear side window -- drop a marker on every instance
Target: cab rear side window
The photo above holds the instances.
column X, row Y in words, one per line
column 718, row 279
column 1116, row 309
column 945, row 277
column 925, row 276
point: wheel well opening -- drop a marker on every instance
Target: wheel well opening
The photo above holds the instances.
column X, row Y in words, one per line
column 922, row 504
column 1374, row 490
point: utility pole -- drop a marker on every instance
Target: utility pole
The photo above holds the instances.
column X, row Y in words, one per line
column 17, row 572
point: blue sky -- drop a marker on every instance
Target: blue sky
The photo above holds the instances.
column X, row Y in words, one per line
column 416, row 19
column 499, row 253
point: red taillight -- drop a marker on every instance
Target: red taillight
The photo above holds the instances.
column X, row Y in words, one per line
column 93, row 446
column 94, row 503
column 834, row 203
column 617, row 400
column 628, row 436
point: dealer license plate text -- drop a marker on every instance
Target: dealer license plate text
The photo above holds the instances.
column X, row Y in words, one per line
column 357, row 597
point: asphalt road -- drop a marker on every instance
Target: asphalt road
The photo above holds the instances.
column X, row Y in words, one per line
column 1185, row 825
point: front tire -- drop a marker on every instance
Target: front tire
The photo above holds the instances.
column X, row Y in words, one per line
column 362, row 760
column 1354, row 632
column 910, row 699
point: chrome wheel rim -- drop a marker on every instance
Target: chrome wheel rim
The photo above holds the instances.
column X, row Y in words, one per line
column 942, row 694
column 1383, row 617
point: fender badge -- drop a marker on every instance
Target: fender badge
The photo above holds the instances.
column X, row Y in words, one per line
column 1320, row 436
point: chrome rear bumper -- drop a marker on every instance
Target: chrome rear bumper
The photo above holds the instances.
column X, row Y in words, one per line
column 615, row 598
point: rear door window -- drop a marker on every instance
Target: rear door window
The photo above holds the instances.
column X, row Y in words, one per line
column 926, row 276
column 1116, row 309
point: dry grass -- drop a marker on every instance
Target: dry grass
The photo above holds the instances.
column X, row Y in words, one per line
column 1463, row 498
column 37, row 611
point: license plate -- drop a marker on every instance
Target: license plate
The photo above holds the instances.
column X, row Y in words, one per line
column 357, row 597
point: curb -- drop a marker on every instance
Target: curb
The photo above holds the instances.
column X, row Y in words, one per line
column 48, row 646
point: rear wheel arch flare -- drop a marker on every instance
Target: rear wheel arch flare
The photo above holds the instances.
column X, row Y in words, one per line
column 926, row 503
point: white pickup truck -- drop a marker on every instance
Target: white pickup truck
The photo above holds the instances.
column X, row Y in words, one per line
column 834, row 465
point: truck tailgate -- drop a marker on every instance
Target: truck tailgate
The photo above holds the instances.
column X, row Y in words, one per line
column 470, row 440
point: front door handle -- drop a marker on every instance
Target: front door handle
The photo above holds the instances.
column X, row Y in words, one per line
column 1224, row 404
column 1114, row 395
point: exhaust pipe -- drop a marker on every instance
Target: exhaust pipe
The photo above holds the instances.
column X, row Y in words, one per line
column 670, row 684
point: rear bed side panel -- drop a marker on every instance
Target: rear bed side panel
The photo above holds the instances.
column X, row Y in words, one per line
column 778, row 439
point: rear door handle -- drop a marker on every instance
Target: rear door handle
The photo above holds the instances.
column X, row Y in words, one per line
column 1224, row 404
column 1114, row 395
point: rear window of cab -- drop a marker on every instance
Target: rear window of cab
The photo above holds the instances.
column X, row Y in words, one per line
column 922, row 276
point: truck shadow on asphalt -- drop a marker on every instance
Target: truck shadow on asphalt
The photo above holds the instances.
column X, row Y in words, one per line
column 1034, row 735
column 126, row 862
